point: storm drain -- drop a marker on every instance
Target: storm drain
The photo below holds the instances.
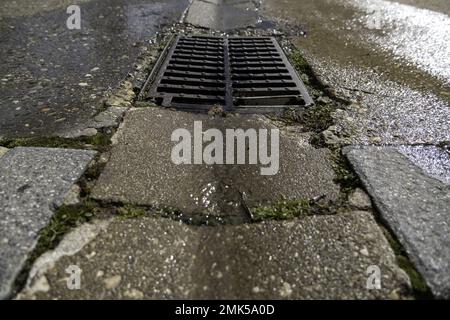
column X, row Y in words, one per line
column 240, row 74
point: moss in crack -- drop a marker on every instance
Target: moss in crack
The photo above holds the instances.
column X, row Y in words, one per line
column 290, row 209
column 316, row 118
column 98, row 142
column 300, row 63
column 344, row 174
column 281, row 210
column 90, row 176
column 64, row 219
column 419, row 286
column 145, row 104
column 130, row 211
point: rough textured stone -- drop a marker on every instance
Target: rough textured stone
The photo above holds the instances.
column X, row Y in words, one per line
column 141, row 170
column 415, row 206
column 32, row 182
column 359, row 200
column 322, row 257
column 109, row 118
column 73, row 196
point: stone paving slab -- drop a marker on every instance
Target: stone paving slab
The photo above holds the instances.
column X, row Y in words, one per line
column 318, row 257
column 222, row 14
column 416, row 207
column 141, row 171
column 32, row 182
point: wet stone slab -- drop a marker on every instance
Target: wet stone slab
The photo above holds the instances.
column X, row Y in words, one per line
column 52, row 79
column 141, row 170
column 32, row 182
column 415, row 206
column 322, row 257
column 222, row 14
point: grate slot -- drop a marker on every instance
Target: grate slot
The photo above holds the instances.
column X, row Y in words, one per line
column 198, row 62
column 260, row 70
column 191, row 89
column 261, row 76
column 263, row 84
column 198, row 75
column 193, row 68
column 197, row 57
column 192, row 81
column 261, row 92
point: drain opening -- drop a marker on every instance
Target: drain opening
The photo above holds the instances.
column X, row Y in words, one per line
column 241, row 74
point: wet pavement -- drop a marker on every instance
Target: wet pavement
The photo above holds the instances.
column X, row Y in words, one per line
column 322, row 257
column 390, row 58
column 52, row 79
column 141, row 169
column 224, row 15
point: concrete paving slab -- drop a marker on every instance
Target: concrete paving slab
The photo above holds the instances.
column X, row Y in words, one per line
column 321, row 257
column 32, row 182
column 222, row 15
column 415, row 206
column 53, row 79
column 141, row 170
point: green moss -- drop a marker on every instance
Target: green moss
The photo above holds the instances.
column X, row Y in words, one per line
column 282, row 210
column 51, row 142
column 131, row 211
column 318, row 118
column 144, row 104
column 344, row 175
column 99, row 141
column 300, row 63
column 64, row 219
column 419, row 286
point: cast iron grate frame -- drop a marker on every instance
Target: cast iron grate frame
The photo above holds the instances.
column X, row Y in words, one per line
column 240, row 74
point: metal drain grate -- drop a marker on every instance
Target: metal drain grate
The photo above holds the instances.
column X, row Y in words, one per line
column 240, row 74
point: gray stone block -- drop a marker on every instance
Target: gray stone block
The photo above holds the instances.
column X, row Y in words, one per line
column 32, row 182
column 415, row 206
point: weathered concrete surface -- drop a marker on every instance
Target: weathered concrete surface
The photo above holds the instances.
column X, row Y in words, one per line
column 141, row 170
column 391, row 58
column 32, row 182
column 222, row 14
column 415, row 206
column 322, row 257
column 72, row 243
column 52, row 79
